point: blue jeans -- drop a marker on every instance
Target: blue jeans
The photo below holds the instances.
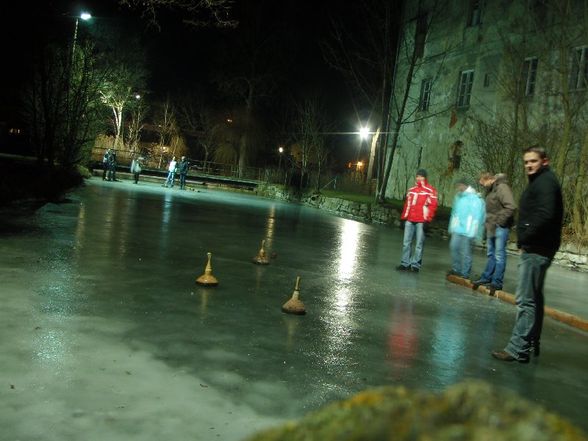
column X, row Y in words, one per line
column 496, row 264
column 182, row 180
column 410, row 228
column 530, row 304
column 460, row 247
column 170, row 179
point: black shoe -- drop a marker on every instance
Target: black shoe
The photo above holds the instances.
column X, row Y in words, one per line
column 536, row 348
column 505, row 356
column 402, row 268
column 414, row 269
column 492, row 289
column 480, row 282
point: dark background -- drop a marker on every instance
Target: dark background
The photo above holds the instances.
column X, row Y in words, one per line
column 180, row 57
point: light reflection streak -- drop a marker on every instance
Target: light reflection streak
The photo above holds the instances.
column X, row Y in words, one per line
column 348, row 244
column 403, row 337
column 166, row 211
column 448, row 347
column 270, row 229
column 80, row 231
column 340, row 321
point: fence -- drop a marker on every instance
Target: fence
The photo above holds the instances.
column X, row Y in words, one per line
column 349, row 182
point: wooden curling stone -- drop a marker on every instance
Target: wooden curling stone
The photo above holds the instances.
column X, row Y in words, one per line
column 294, row 305
column 207, row 278
column 261, row 258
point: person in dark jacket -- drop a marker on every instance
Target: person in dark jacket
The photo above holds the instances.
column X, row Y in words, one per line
column 111, row 175
column 183, row 168
column 500, row 210
column 420, row 206
column 538, row 238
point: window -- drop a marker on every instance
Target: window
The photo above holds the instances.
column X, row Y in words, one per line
column 475, row 13
column 464, row 89
column 425, row 97
column 579, row 69
column 420, row 34
column 487, row 80
column 530, row 75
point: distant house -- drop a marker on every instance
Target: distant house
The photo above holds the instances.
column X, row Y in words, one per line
column 485, row 79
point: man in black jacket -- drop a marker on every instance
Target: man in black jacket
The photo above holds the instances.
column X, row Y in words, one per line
column 538, row 238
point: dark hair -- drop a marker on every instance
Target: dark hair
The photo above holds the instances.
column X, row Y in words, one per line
column 536, row 149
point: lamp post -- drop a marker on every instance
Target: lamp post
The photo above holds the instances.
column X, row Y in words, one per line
column 280, row 152
column 84, row 16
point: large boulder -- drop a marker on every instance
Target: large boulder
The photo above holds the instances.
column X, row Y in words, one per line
column 471, row 410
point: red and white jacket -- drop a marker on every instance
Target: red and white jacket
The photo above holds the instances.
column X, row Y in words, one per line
column 420, row 204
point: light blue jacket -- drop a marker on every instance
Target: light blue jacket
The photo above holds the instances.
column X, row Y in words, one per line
column 468, row 214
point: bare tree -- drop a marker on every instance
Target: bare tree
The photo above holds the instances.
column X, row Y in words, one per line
column 136, row 123
column 61, row 103
column 118, row 89
column 167, row 129
column 310, row 145
column 542, row 86
column 410, row 55
column 366, row 60
column 196, row 12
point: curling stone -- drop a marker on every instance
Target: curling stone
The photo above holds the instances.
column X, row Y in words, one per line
column 294, row 305
column 207, row 278
column 261, row 258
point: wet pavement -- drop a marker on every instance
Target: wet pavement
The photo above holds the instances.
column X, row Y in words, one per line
column 105, row 334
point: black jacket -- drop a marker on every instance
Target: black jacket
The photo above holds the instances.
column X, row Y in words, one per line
column 541, row 214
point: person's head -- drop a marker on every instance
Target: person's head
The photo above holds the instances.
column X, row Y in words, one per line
column 534, row 159
column 461, row 185
column 421, row 175
column 487, row 179
column 174, row 158
column 183, row 158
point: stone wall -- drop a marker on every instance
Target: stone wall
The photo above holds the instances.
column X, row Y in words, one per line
column 571, row 256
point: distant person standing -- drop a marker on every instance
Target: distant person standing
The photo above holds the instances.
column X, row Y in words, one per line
column 420, row 206
column 466, row 223
column 136, row 169
column 183, row 168
column 538, row 237
column 171, row 172
column 105, row 161
column 111, row 166
column 500, row 209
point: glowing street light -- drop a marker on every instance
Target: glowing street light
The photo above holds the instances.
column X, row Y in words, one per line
column 84, row 16
column 364, row 132
column 280, row 151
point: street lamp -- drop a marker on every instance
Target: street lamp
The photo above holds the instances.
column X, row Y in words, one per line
column 280, row 151
column 364, row 132
column 84, row 16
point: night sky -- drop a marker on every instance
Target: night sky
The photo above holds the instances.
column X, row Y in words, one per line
column 180, row 57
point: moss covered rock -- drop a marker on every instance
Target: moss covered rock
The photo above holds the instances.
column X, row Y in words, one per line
column 468, row 411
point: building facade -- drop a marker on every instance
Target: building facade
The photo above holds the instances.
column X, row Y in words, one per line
column 478, row 80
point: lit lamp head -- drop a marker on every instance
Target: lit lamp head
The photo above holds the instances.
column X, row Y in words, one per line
column 364, row 132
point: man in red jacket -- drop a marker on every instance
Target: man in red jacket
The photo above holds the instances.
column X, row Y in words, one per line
column 420, row 206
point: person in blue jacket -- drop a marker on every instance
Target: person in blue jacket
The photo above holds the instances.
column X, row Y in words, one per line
column 465, row 226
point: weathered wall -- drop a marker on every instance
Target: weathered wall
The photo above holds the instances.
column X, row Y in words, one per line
column 452, row 47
